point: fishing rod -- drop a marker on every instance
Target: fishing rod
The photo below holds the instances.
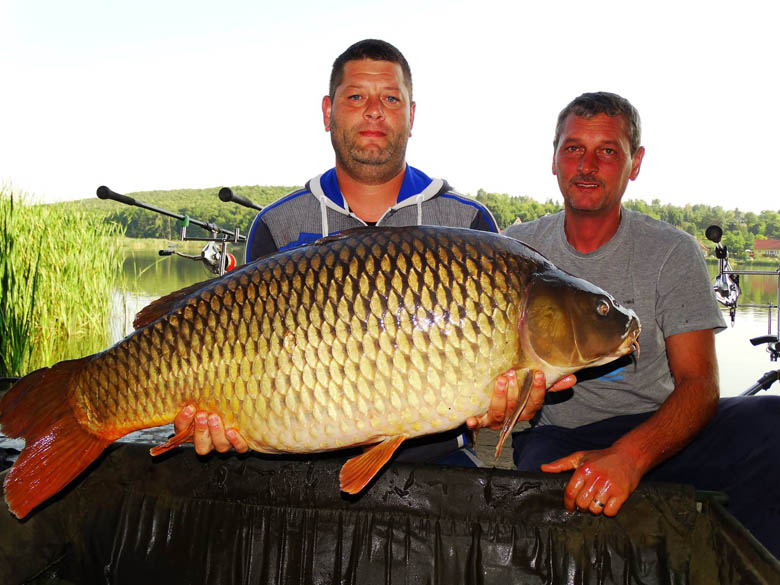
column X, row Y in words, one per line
column 214, row 254
column 226, row 194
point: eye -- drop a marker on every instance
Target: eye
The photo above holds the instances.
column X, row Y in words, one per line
column 354, row 97
column 602, row 308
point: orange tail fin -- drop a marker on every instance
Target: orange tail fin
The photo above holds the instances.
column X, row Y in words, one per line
column 57, row 448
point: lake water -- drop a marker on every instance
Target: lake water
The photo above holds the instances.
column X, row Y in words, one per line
column 741, row 364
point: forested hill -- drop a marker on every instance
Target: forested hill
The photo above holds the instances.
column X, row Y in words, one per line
column 740, row 228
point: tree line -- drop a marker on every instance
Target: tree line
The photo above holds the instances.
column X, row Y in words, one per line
column 740, row 229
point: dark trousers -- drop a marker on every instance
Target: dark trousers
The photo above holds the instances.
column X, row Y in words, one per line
column 738, row 453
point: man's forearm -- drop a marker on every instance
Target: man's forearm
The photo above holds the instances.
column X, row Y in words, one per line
column 679, row 419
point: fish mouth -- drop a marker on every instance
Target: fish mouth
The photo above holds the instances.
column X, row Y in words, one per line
column 631, row 344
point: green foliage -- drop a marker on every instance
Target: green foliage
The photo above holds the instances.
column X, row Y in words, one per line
column 507, row 209
column 740, row 230
column 58, row 267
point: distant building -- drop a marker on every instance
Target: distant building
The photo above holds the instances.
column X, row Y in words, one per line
column 767, row 248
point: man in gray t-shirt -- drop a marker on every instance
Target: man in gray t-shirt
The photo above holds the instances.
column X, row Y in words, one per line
column 652, row 268
column 659, row 416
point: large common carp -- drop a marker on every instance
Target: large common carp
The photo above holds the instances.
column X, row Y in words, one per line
column 366, row 338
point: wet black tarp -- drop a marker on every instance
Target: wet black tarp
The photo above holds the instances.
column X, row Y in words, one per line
column 233, row 520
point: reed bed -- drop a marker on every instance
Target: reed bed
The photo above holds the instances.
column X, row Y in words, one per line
column 57, row 270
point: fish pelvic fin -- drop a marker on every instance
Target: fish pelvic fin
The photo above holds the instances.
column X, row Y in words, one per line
column 522, row 399
column 179, row 438
column 57, row 448
column 358, row 471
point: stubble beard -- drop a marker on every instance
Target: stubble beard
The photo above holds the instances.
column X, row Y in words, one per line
column 369, row 165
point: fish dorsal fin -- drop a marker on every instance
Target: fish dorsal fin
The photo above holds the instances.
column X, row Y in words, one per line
column 522, row 399
column 344, row 234
column 358, row 471
column 163, row 305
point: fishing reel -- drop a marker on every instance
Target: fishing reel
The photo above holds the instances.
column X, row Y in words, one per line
column 726, row 285
column 216, row 260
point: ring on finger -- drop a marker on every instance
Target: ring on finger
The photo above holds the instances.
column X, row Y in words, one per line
column 597, row 503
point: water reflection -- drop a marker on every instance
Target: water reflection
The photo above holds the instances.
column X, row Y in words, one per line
column 740, row 363
column 149, row 276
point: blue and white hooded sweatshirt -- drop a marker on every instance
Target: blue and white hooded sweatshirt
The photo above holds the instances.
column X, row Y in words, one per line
column 319, row 209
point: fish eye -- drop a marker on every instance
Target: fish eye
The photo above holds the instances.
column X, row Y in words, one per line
column 602, row 308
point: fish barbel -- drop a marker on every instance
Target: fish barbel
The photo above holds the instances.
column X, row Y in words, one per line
column 366, row 338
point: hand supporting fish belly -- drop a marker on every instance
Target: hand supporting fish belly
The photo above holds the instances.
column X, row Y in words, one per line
column 361, row 339
column 209, row 433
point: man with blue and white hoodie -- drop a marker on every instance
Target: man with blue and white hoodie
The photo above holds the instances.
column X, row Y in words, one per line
column 369, row 113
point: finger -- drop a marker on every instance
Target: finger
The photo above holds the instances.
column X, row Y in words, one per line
column 475, row 423
column 184, row 419
column 237, row 440
column 496, row 411
column 614, row 504
column 512, row 390
column 536, row 396
column 217, row 431
column 564, row 463
column 600, row 500
column 564, row 383
column 498, row 401
column 201, row 436
column 572, row 491
column 596, row 506
column 586, row 498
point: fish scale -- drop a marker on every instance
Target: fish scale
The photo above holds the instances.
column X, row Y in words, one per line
column 375, row 335
column 404, row 298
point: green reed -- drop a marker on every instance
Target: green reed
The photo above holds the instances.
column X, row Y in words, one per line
column 57, row 271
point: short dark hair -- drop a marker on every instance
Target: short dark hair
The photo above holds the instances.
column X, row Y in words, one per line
column 368, row 49
column 602, row 102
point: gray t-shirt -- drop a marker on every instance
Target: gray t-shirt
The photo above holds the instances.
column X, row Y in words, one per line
column 650, row 267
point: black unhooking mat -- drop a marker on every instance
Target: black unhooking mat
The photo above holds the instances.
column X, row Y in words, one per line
column 252, row 519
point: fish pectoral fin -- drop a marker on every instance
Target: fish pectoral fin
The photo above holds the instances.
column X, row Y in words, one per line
column 183, row 437
column 358, row 471
column 522, row 399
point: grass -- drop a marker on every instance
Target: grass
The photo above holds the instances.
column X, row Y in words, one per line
column 57, row 270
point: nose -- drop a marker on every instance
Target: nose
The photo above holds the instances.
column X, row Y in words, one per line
column 374, row 110
column 588, row 163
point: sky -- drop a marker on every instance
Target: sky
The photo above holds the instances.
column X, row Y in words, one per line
column 170, row 94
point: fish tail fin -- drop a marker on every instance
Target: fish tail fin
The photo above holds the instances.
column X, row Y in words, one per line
column 57, row 448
